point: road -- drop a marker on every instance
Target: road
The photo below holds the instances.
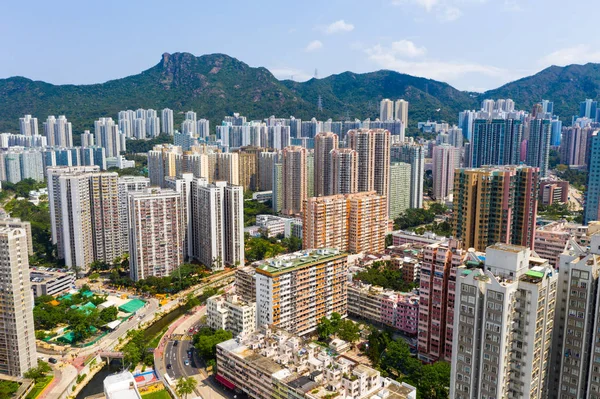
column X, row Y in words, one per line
column 575, row 199
column 176, row 355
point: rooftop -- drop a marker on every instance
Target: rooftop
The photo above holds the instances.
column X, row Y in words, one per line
column 289, row 262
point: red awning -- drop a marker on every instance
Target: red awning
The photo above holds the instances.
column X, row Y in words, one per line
column 225, row 381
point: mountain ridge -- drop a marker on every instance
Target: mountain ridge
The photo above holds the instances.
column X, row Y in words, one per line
column 215, row 85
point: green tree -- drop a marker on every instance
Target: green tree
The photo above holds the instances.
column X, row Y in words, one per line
column 8, row 388
column 206, row 341
column 185, row 386
column 348, row 331
column 108, row 314
column 336, row 319
column 434, row 381
column 325, row 328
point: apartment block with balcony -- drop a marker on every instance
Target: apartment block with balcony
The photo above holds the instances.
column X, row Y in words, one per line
column 295, row 291
column 503, row 323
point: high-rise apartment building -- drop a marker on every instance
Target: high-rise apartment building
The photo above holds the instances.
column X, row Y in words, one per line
column 446, row 159
column 587, row 109
column 386, row 110
column 58, row 132
column 373, row 149
column 538, row 144
column 399, row 198
column 248, row 167
column 106, row 222
column 413, row 154
column 126, row 184
column 295, row 291
column 266, row 163
column 218, row 223
column 277, row 201
column 352, row 222
column 325, row 144
column 28, row 126
column 167, row 121
column 108, row 136
column 294, row 179
column 576, row 340
column 496, row 142
column 71, row 214
column 85, row 215
column 156, row 234
column 503, row 322
column 344, row 171
column 17, row 334
column 574, row 148
column 401, row 111
column 495, row 204
column 225, row 167
column 592, row 195
column 436, row 302
column 165, row 160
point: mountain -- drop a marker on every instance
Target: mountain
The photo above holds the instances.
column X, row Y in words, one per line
column 216, row 85
column 566, row 86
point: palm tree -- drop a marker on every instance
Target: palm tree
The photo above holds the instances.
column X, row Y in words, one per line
column 185, row 386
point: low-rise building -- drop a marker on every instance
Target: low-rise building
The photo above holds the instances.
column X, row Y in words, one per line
column 121, row 386
column 399, row 310
column 45, row 282
column 552, row 239
column 554, row 191
column 276, row 364
column 231, row 313
column 408, row 237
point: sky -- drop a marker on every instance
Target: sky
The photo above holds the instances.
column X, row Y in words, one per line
column 471, row 44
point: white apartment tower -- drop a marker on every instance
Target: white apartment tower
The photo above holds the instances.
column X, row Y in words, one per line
column 386, row 110
column 28, row 126
column 218, row 223
column 576, row 341
column 84, row 215
column 167, row 121
column 446, row 159
column 125, row 185
column 401, row 111
column 156, row 236
column 17, row 333
column 108, row 136
column 503, row 321
column 58, row 132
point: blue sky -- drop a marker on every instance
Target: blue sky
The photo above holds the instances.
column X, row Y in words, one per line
column 471, row 44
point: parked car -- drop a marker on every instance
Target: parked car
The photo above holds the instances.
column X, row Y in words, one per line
column 53, row 360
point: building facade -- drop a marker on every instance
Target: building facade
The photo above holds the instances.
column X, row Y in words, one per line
column 295, row 291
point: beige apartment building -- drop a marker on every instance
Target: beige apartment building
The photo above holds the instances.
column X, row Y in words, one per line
column 352, row 222
column 294, row 179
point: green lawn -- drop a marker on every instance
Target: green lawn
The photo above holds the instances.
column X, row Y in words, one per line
column 157, row 395
column 39, row 387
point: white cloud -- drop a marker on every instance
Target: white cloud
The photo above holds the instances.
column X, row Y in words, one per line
column 406, row 48
column 579, row 54
column 290, row 73
column 449, row 14
column 388, row 57
column 313, row 46
column 339, row 26
column 444, row 10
